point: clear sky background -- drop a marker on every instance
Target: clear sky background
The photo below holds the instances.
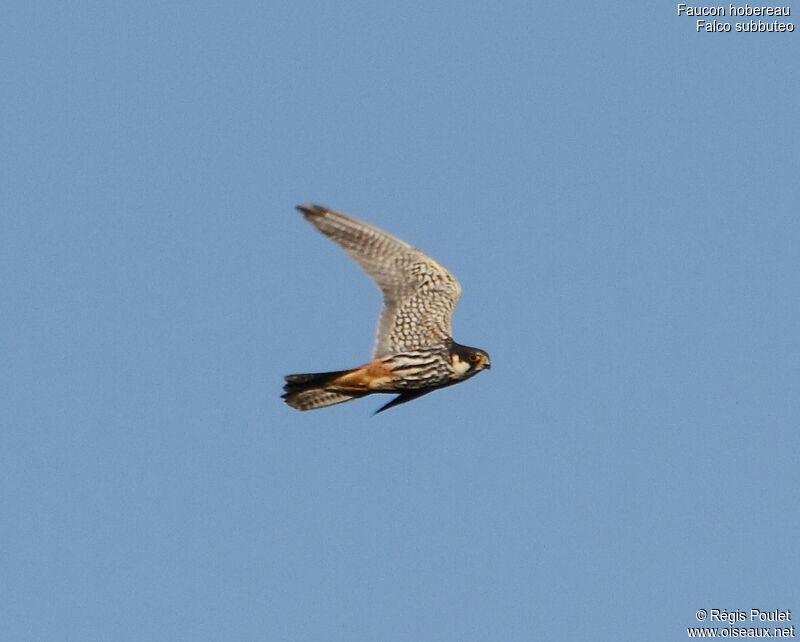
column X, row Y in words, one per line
column 618, row 196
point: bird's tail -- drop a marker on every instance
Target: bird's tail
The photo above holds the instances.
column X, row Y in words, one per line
column 311, row 391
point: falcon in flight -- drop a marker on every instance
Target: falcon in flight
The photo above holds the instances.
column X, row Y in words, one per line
column 414, row 351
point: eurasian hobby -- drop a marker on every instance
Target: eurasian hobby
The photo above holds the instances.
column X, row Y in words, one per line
column 414, row 351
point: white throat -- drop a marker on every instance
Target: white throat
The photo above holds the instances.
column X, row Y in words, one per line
column 459, row 367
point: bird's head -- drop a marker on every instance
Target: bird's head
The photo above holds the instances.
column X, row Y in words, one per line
column 467, row 361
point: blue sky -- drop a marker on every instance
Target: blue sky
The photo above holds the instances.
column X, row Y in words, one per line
column 618, row 196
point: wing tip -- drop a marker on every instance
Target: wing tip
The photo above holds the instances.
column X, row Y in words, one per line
column 403, row 397
column 311, row 209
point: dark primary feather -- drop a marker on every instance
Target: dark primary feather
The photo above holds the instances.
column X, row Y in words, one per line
column 403, row 397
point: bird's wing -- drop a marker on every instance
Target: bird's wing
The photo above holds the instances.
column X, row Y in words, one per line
column 418, row 294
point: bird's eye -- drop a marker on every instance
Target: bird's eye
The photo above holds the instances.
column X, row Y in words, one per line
column 475, row 357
